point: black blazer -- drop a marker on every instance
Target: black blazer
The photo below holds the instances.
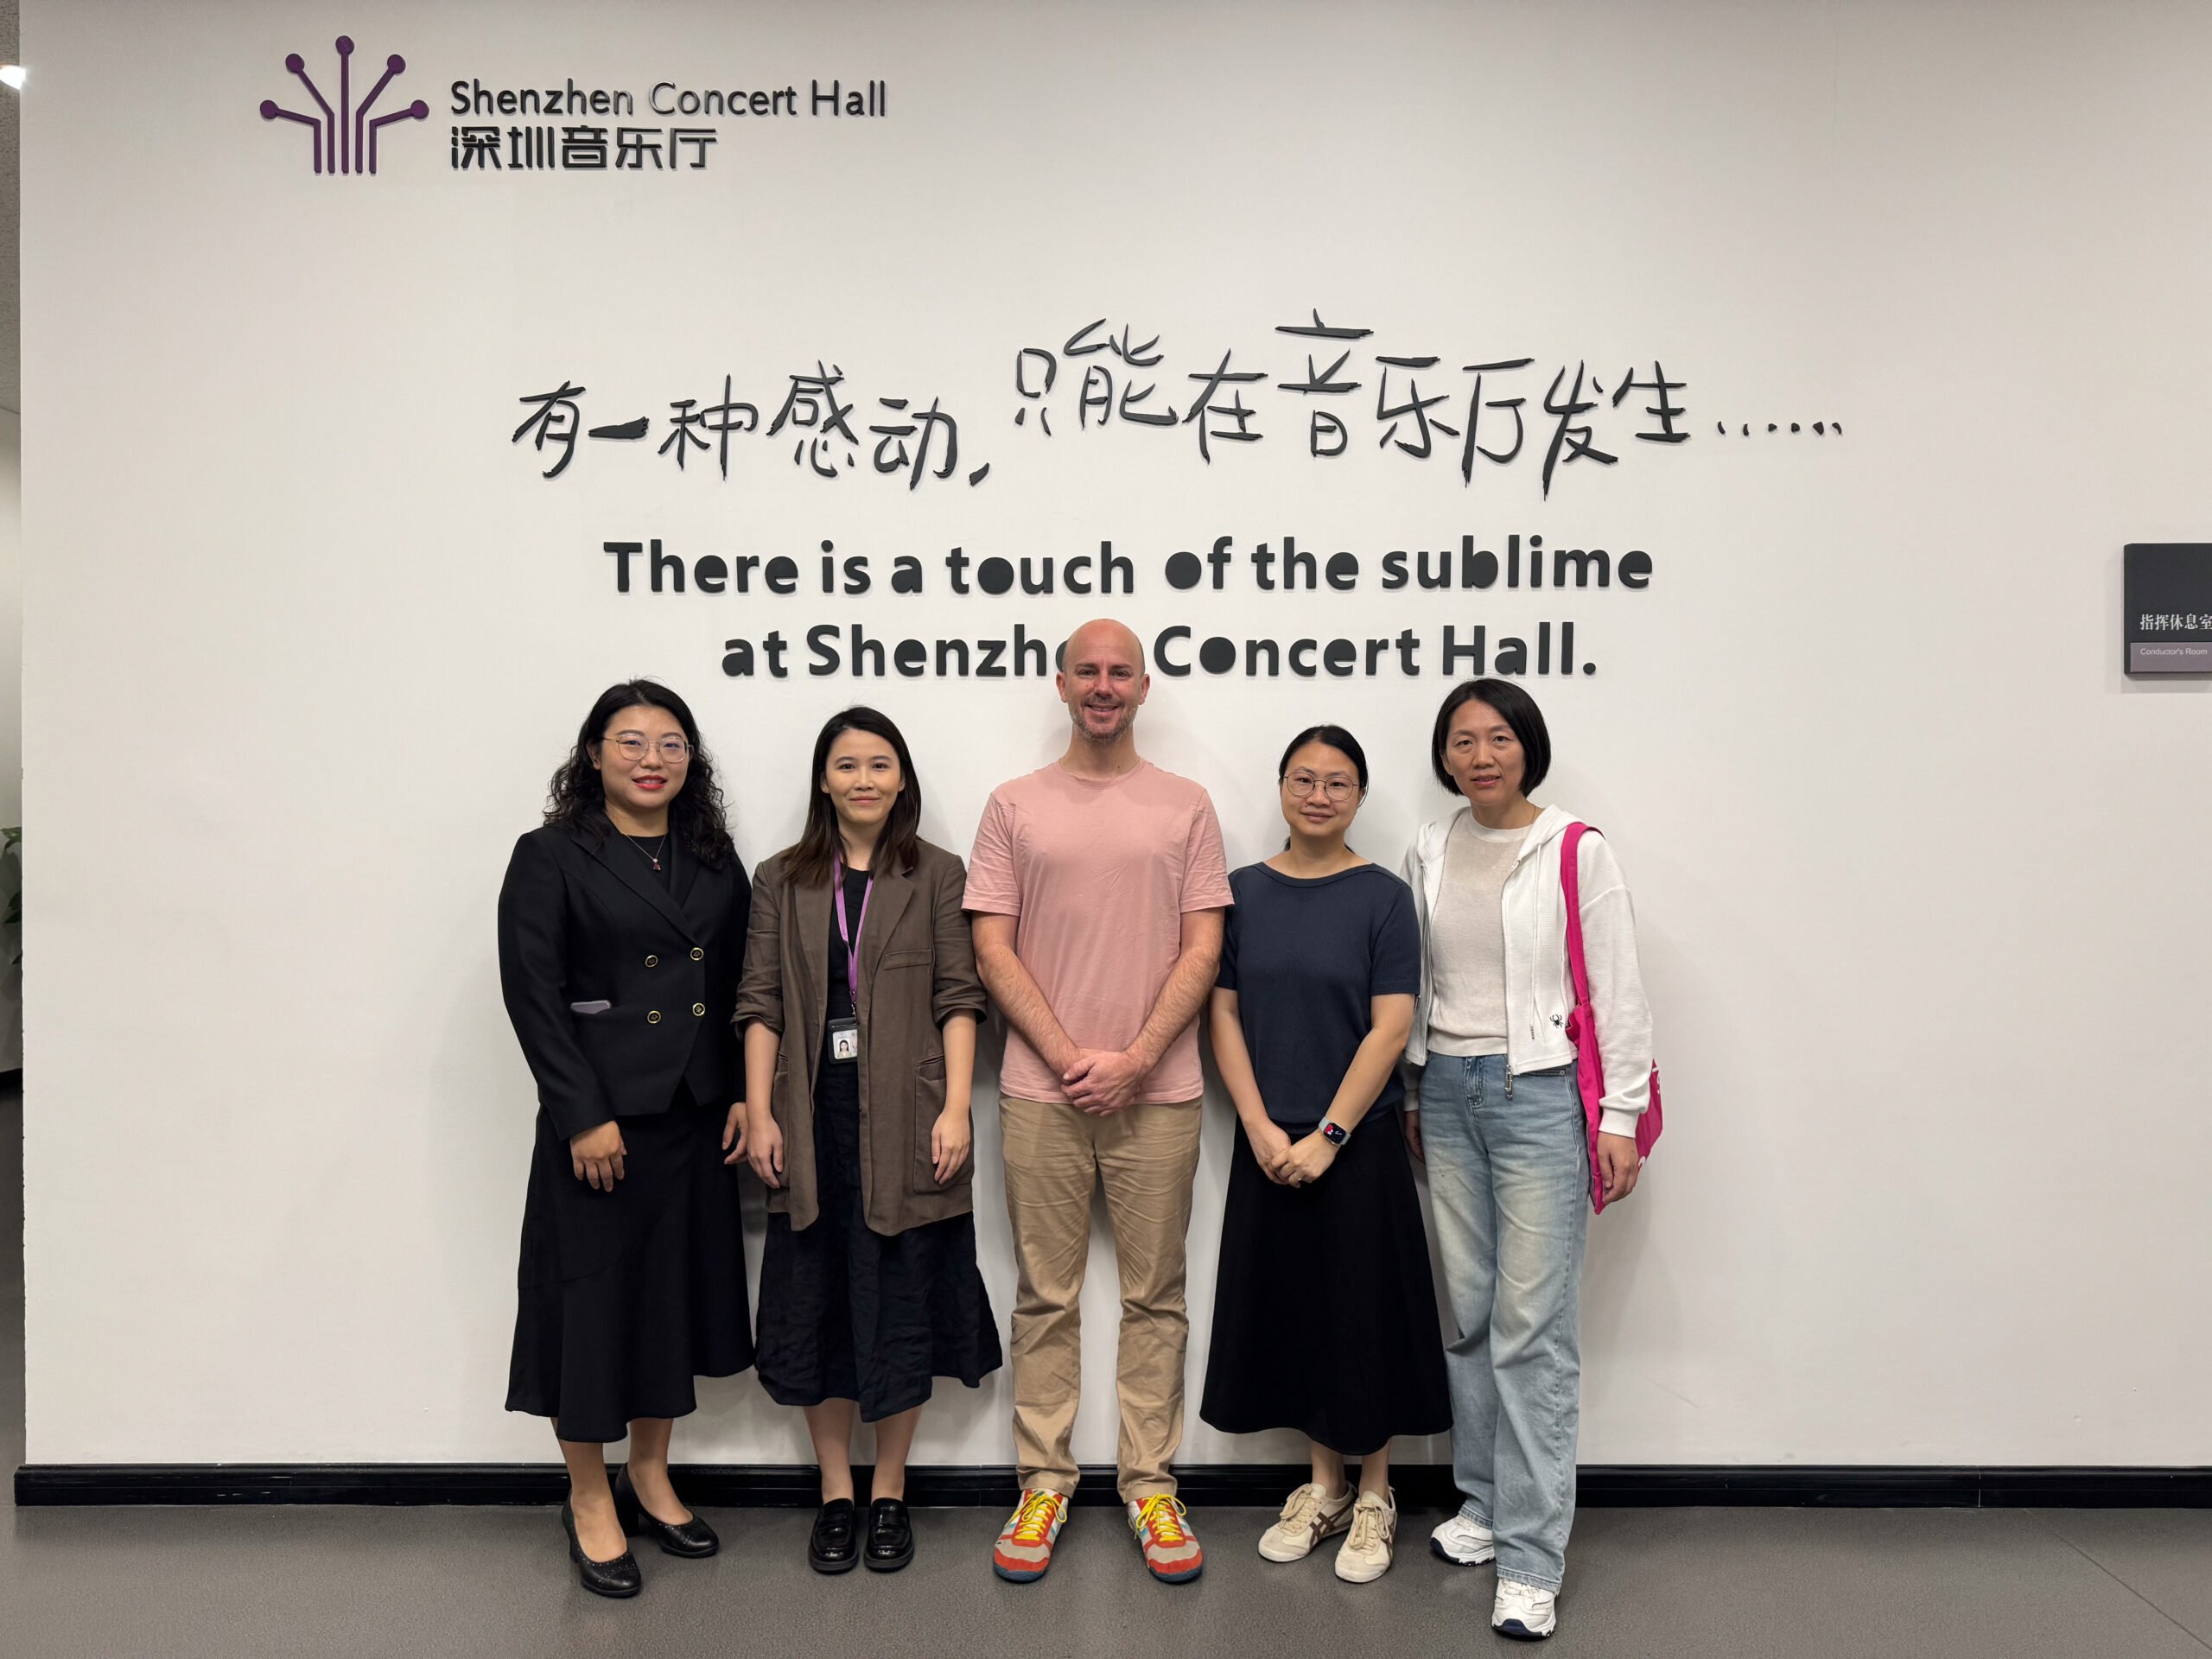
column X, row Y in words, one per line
column 585, row 920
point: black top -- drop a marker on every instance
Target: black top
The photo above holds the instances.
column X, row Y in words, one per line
column 621, row 982
column 1304, row 956
column 840, row 1005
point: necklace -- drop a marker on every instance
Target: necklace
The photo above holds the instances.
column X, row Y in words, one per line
column 653, row 857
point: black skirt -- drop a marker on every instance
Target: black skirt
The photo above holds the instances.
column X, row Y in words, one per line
column 849, row 1314
column 1324, row 1309
column 626, row 1296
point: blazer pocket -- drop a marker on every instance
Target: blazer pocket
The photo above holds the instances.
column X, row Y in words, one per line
column 902, row 959
column 928, row 1104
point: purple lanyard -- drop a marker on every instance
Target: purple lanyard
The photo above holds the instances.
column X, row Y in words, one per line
column 851, row 938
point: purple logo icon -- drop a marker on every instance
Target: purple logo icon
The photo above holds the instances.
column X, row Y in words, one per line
column 345, row 141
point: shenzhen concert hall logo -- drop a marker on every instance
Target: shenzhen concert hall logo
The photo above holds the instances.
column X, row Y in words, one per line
column 346, row 139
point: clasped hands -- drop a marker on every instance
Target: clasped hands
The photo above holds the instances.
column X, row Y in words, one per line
column 1287, row 1162
column 1102, row 1081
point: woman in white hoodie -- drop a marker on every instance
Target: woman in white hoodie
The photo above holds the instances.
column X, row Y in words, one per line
column 1501, row 1124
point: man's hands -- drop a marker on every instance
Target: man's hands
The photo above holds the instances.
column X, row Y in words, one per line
column 1103, row 1081
column 596, row 1156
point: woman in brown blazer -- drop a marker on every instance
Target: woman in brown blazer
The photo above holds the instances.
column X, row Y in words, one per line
column 859, row 1004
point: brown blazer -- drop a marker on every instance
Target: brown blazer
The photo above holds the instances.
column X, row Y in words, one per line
column 918, row 969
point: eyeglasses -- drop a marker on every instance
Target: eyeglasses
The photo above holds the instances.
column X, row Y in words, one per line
column 631, row 747
column 1303, row 783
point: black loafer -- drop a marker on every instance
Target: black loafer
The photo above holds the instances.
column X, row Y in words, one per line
column 692, row 1538
column 890, row 1535
column 835, row 1546
column 618, row 1578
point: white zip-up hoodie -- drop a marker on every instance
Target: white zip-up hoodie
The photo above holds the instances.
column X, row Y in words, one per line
column 1539, row 985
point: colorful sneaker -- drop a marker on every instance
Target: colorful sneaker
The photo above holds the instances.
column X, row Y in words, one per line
column 1524, row 1611
column 1024, row 1546
column 1311, row 1515
column 1365, row 1556
column 1462, row 1541
column 1171, row 1549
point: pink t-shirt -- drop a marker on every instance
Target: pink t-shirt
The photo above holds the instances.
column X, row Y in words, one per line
column 1098, row 874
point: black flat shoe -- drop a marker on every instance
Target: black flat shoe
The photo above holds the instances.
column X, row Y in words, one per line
column 618, row 1578
column 890, row 1535
column 692, row 1538
column 835, row 1546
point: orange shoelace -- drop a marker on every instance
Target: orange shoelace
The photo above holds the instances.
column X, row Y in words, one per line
column 1163, row 1515
column 1033, row 1520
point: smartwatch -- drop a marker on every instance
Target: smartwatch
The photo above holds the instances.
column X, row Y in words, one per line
column 1334, row 1132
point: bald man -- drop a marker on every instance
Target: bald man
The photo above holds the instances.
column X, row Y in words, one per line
column 1097, row 888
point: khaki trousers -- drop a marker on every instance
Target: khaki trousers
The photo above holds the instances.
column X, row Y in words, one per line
column 1056, row 1156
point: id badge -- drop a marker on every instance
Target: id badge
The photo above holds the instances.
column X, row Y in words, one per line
column 845, row 1039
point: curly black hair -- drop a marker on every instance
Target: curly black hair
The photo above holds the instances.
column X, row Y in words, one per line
column 577, row 800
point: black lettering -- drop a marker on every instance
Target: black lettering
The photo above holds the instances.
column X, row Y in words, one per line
column 1036, row 584
column 857, row 580
column 1581, row 560
column 774, row 645
column 1441, row 578
column 1340, row 657
column 660, row 87
column 1394, row 570
column 821, row 98
column 1294, row 562
column 1636, row 569
column 956, row 566
column 1375, row 650
column 944, row 650
column 1022, row 646
column 907, row 575
column 910, row 657
column 1072, row 573
column 1305, row 648
column 668, row 563
column 822, row 642
column 783, row 574
column 1112, row 564
column 621, row 550
column 1342, row 572
column 746, row 564
column 710, row 574
column 863, row 646
column 1512, row 656
column 1453, row 651
column 990, row 668
column 1252, row 649
column 1160, row 660
column 737, row 658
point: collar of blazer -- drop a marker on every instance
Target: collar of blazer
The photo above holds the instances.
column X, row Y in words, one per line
column 634, row 872
column 811, row 915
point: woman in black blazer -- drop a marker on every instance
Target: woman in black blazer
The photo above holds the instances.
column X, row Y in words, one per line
column 622, row 927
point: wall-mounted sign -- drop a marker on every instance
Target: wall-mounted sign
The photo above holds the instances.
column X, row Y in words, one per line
column 2168, row 588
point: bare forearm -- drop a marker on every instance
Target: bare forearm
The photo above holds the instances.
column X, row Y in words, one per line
column 760, row 1046
column 959, row 1061
column 1178, row 1003
column 1235, row 1061
column 1376, row 1058
column 1023, row 1004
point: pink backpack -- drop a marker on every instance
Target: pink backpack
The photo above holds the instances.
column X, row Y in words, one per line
column 1582, row 1024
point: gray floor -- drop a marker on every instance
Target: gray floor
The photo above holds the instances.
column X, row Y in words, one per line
column 107, row 1584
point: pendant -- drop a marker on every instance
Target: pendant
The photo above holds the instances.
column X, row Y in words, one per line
column 656, row 864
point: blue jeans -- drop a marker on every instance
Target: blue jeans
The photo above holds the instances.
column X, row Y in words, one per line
column 1508, row 1174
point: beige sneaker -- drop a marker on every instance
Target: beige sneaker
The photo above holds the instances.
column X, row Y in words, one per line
column 1311, row 1515
column 1366, row 1553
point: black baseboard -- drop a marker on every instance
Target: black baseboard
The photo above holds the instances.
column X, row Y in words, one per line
column 1419, row 1486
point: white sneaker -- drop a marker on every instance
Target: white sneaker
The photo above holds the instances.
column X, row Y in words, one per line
column 1522, row 1612
column 1311, row 1515
column 1461, row 1541
column 1365, row 1556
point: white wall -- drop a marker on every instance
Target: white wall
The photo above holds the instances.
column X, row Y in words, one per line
column 1919, row 878
column 11, row 711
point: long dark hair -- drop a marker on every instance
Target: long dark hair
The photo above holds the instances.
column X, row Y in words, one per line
column 578, row 800
column 810, row 859
column 1518, row 710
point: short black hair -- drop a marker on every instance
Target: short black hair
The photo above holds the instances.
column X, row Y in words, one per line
column 1337, row 738
column 1516, row 707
